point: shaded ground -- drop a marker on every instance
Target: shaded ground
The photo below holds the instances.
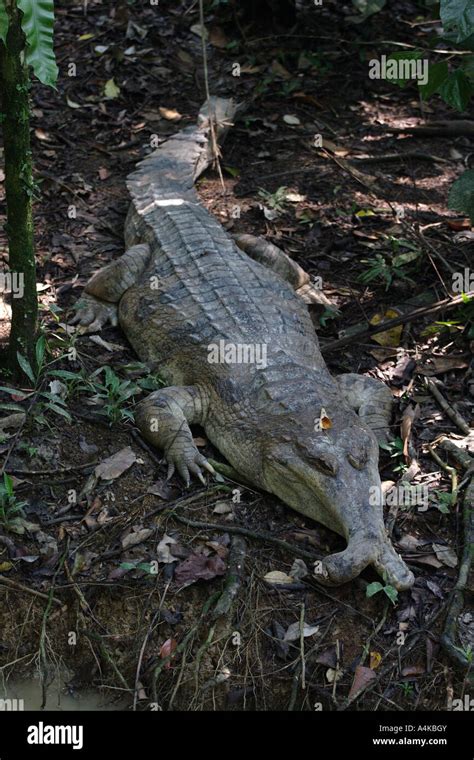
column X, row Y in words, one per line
column 126, row 617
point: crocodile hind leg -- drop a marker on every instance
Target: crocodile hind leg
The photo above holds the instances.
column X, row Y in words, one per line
column 98, row 303
column 164, row 418
column 274, row 258
column 372, row 401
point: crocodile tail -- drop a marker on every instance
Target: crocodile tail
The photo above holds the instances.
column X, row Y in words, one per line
column 167, row 175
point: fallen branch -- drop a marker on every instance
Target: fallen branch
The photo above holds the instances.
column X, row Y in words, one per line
column 234, row 577
column 456, row 604
column 436, row 129
column 415, row 155
column 20, row 587
column 240, row 530
column 423, row 311
column 453, row 415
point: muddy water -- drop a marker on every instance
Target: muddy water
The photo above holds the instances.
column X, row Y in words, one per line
column 26, row 694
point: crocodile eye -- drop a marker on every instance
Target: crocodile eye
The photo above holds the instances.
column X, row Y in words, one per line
column 326, row 464
column 358, row 459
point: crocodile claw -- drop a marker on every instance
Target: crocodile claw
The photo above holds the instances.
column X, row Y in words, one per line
column 187, row 463
column 93, row 314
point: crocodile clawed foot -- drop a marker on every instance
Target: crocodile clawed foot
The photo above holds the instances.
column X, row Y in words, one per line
column 93, row 314
column 361, row 552
column 188, row 461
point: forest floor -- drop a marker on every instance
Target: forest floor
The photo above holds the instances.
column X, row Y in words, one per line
column 112, row 586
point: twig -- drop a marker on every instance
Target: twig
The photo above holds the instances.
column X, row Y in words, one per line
column 423, row 311
column 234, row 578
column 446, row 407
column 265, row 537
column 436, row 129
column 303, row 661
column 394, row 157
column 450, row 470
column 20, row 587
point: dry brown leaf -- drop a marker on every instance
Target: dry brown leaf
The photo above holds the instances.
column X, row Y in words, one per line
column 279, row 70
column 217, row 38
column 115, row 465
column 362, row 677
column 136, row 537
column 169, row 114
column 409, row 416
column 276, row 577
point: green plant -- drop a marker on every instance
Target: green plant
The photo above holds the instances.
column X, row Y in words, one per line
column 390, row 265
column 395, row 449
column 276, row 200
column 406, row 687
column 443, row 500
column 113, row 394
column 376, row 587
column 10, row 508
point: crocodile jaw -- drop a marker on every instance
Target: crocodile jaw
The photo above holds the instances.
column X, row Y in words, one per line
column 348, row 501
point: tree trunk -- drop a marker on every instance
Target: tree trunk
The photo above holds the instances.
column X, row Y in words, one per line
column 14, row 86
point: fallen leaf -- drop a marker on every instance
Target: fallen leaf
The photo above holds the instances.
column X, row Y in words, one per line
column 275, row 577
column 375, row 660
column 336, row 149
column 291, row 119
column 280, row 71
column 446, row 555
column 409, row 416
column 13, row 421
column 163, row 550
column 413, row 670
column 201, row 31
column 111, row 90
column 362, row 677
column 217, row 38
column 103, row 172
column 199, row 567
column 293, row 632
column 333, row 675
column 167, row 649
column 299, row 570
column 222, row 508
column 169, row 114
column 389, row 337
column 115, row 465
column 295, row 197
column 136, row 537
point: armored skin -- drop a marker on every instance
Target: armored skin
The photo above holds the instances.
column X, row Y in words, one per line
column 229, row 331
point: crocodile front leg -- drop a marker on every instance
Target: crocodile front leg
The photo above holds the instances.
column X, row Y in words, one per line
column 372, row 401
column 164, row 418
column 98, row 303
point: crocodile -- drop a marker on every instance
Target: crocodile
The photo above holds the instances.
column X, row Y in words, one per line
column 226, row 321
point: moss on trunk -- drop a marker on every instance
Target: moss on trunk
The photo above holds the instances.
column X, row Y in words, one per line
column 14, row 88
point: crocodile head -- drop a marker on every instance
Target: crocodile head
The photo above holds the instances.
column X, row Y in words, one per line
column 332, row 477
